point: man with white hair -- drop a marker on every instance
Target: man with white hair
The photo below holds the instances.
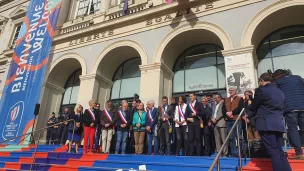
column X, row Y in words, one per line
column 151, row 127
column 232, row 107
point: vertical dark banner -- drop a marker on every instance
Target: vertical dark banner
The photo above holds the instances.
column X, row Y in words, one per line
column 27, row 70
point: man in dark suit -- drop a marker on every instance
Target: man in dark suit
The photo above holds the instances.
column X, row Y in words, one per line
column 207, row 130
column 151, row 127
column 165, row 115
column 194, row 115
column 268, row 106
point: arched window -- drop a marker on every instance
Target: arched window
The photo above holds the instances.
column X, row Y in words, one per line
column 199, row 68
column 282, row 49
column 71, row 89
column 126, row 80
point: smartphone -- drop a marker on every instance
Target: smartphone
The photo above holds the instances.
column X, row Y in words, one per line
column 250, row 97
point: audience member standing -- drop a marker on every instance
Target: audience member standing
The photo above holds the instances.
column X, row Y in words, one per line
column 64, row 128
column 220, row 128
column 90, row 120
column 77, row 116
column 165, row 116
column 293, row 89
column 181, row 126
column 139, row 124
column 98, row 129
column 207, row 130
column 232, row 107
column 49, row 135
column 194, row 116
column 174, row 103
column 268, row 107
column 123, row 126
column 151, row 128
column 108, row 122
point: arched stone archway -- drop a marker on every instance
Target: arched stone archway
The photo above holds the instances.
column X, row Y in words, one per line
column 190, row 34
column 275, row 16
column 54, row 85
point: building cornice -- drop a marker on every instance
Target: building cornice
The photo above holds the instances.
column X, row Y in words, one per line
column 55, row 87
column 97, row 77
column 157, row 66
column 238, row 51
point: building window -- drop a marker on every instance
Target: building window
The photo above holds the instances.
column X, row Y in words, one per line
column 71, row 89
column 126, row 81
column 16, row 34
column 282, row 49
column 87, row 7
column 199, row 68
column 115, row 2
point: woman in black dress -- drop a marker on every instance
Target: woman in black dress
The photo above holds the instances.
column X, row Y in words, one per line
column 77, row 116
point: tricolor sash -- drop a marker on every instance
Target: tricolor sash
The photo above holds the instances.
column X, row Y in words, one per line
column 150, row 116
column 164, row 113
column 106, row 112
column 92, row 114
column 192, row 108
column 122, row 117
column 180, row 111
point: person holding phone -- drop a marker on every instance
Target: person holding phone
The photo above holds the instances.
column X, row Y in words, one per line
column 139, row 126
column 248, row 117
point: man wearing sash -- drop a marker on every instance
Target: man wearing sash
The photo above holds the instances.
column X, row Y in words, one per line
column 232, row 107
column 123, row 124
column 194, row 118
column 107, row 121
column 151, row 127
column 90, row 119
column 164, row 124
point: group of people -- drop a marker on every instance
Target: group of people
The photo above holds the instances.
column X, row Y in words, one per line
column 194, row 128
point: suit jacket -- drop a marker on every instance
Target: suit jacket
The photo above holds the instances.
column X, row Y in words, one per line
column 220, row 118
column 268, row 106
column 169, row 114
column 154, row 117
column 87, row 118
column 126, row 113
column 104, row 119
column 198, row 108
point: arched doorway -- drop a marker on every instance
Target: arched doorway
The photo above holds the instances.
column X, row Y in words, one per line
column 201, row 69
column 126, row 81
column 70, row 94
column 282, row 49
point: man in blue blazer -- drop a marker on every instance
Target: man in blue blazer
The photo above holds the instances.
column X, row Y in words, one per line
column 268, row 106
column 151, row 127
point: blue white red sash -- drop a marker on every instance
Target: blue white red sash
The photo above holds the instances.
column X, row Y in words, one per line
column 150, row 116
column 106, row 112
column 192, row 108
column 92, row 114
column 164, row 113
column 180, row 111
column 122, row 117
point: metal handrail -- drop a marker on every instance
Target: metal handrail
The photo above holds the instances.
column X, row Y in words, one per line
column 216, row 159
column 40, row 133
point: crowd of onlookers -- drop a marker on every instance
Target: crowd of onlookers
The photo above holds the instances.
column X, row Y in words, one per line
column 190, row 127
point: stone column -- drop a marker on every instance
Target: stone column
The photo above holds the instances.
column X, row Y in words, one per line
column 105, row 5
column 6, row 35
column 156, row 81
column 240, row 66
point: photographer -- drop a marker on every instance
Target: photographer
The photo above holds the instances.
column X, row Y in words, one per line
column 293, row 89
column 267, row 107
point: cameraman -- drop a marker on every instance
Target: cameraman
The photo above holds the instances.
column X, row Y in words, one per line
column 293, row 89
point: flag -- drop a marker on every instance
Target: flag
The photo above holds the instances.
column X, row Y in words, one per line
column 125, row 8
column 169, row 1
column 27, row 70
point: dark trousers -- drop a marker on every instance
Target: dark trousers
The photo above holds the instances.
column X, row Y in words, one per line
column 49, row 135
column 194, row 132
column 64, row 133
column 182, row 137
column 232, row 139
column 97, row 137
column 273, row 142
column 294, row 120
column 164, row 137
column 207, row 144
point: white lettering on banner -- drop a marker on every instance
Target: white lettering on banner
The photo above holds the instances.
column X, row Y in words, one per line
column 34, row 33
column 201, row 86
column 140, row 167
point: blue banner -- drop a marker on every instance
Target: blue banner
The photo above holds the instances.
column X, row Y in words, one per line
column 27, row 70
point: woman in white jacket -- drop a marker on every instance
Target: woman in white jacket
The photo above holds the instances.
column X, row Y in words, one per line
column 181, row 125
